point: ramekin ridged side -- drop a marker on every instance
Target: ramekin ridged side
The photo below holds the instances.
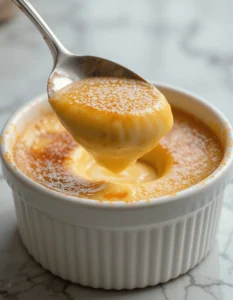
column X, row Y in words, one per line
column 118, row 258
column 118, row 246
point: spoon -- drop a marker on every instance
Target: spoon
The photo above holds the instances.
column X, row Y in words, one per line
column 69, row 67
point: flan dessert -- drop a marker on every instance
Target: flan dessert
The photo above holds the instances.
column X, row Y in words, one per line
column 50, row 155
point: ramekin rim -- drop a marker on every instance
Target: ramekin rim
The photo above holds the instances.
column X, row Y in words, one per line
column 209, row 181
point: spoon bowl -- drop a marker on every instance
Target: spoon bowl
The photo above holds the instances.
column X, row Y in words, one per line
column 70, row 68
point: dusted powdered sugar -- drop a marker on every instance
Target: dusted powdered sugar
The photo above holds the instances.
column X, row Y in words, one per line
column 113, row 95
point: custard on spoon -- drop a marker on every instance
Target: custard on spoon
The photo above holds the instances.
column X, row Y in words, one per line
column 117, row 120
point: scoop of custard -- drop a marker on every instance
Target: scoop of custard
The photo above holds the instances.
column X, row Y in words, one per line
column 117, row 120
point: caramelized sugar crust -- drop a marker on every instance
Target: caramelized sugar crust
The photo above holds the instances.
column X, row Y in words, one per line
column 116, row 96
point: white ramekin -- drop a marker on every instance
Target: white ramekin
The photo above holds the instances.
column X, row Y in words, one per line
column 119, row 246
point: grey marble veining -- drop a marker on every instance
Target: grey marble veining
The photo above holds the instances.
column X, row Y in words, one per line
column 184, row 43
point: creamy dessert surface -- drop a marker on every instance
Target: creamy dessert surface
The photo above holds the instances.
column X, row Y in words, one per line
column 117, row 120
column 49, row 155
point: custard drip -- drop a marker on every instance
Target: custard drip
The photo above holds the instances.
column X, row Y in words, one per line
column 84, row 165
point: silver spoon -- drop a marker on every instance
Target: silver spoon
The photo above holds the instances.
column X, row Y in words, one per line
column 69, row 67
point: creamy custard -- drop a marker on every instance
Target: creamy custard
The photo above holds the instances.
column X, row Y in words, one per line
column 117, row 120
column 49, row 155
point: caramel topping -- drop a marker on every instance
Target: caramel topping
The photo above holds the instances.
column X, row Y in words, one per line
column 44, row 159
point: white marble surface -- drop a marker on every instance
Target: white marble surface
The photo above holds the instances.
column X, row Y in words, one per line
column 186, row 43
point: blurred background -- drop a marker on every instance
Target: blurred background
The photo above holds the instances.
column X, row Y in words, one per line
column 187, row 43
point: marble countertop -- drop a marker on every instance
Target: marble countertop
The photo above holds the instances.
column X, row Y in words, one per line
column 184, row 43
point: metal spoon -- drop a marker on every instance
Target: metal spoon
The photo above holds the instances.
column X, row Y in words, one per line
column 69, row 67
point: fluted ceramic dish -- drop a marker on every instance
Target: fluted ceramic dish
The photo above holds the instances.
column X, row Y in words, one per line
column 119, row 246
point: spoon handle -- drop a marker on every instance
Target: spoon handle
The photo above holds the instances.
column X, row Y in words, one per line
column 52, row 41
